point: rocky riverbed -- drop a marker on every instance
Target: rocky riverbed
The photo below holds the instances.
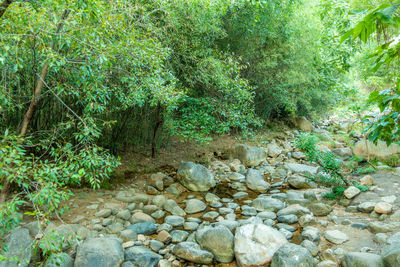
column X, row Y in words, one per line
column 253, row 207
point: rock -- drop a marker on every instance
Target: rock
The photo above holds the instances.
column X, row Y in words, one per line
column 303, row 124
column 210, row 198
column 255, row 181
column 367, row 180
column 335, row 236
column 382, row 227
column 300, row 182
column 267, row 204
column 141, row 256
column 103, row 213
column 294, row 209
column 164, row 236
column 19, row 245
column 301, row 168
column 310, row 246
column 192, row 252
column 249, row 155
column 320, row 209
column 359, row 259
column 144, row 228
column 175, row 221
column 291, row 255
column 178, row 236
column 195, row 177
column 307, row 220
column 344, row 152
column 218, row 240
column 115, row 228
column 311, row 233
column 139, row 217
column 383, row 208
column 351, row 192
column 255, row 244
column 211, row 215
column 327, row 263
column 273, row 150
column 366, row 207
column 128, row 235
column 289, row 219
column 195, row 206
column 380, row 151
column 99, row 252
column 172, row 207
column 59, row 260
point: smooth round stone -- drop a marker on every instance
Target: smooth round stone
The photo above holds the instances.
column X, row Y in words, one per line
column 156, row 245
column 158, row 214
column 287, row 234
column 311, row 233
column 175, row 221
column 360, row 226
column 128, row 235
column 145, row 228
column 210, row 197
column 224, row 211
column 216, row 204
column 192, row 219
column 248, row 211
column 149, row 209
column 269, row 222
column 226, row 200
column 178, row 236
column 164, row 227
column 288, row 219
column 267, row 215
column 383, row 208
column 190, row 226
column 335, row 236
column 195, row 206
column 211, row 215
column 232, row 205
column 286, row 226
column 310, row 246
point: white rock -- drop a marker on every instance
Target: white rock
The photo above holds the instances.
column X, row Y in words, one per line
column 255, row 244
column 351, row 192
column 335, row 236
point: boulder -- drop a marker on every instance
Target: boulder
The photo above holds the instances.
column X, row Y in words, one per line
column 248, row 155
column 19, row 245
column 99, row 252
column 380, row 151
column 192, row 252
column 218, row 240
column 255, row 244
column 320, row 209
column 391, row 252
column 303, row 124
column 255, row 181
column 195, row 177
column 300, row 182
column 141, row 256
column 359, row 259
column 291, row 255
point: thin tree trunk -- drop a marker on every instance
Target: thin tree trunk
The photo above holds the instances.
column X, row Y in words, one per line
column 4, row 6
column 159, row 122
column 36, row 94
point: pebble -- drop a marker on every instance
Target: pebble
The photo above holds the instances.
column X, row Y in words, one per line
column 383, row 208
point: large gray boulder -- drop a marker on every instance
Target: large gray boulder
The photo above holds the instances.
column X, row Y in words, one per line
column 19, row 246
column 255, row 181
column 141, row 256
column 99, row 252
column 195, row 177
column 218, row 240
column 249, row 155
column 255, row 244
column 291, row 255
column 359, row 259
column 191, row 251
column 391, row 252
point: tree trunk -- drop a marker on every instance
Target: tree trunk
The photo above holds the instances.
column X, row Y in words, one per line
column 158, row 124
column 4, row 6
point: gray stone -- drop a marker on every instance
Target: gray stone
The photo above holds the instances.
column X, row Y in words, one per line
column 391, row 252
column 248, row 211
column 195, row 206
column 192, row 252
column 99, row 252
column 383, row 227
column 175, row 221
column 141, row 256
column 335, row 236
column 267, row 204
column 255, row 244
column 156, row 245
column 255, row 181
column 294, row 209
column 359, row 259
column 172, row 207
column 211, row 215
column 103, row 213
column 195, row 177
column 178, row 236
column 366, row 207
column 145, row 228
column 128, row 235
column 289, row 219
column 300, row 182
column 218, row 240
column 301, row 168
column 351, row 192
column 291, row 255
column 312, row 248
column 249, row 155
column 19, row 245
column 311, row 233
column 320, row 209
